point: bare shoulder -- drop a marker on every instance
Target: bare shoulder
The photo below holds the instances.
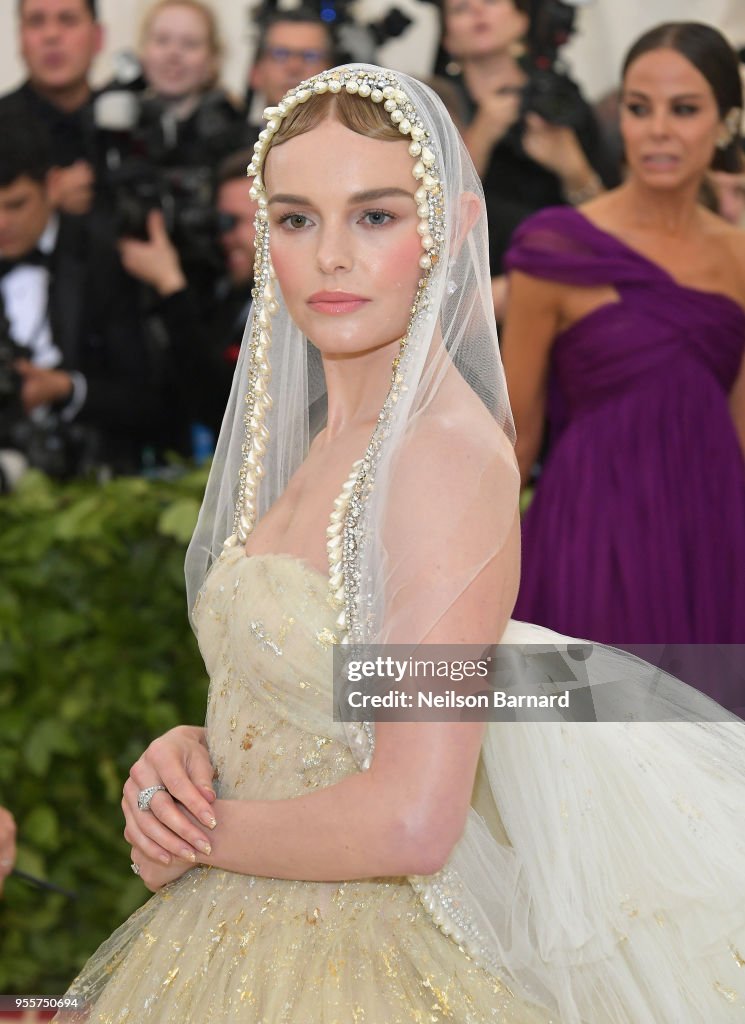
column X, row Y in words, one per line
column 729, row 242
column 456, row 444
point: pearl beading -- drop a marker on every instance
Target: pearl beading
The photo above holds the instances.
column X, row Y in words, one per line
column 440, row 893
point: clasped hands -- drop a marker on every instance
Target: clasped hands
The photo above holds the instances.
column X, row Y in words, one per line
column 169, row 838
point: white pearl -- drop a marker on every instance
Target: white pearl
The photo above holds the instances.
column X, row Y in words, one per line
column 334, row 85
column 417, row 133
column 399, row 96
column 271, row 112
column 425, row 262
column 421, row 195
column 364, row 90
column 430, row 181
column 352, row 86
column 397, row 116
column 388, row 92
column 302, row 95
column 263, row 202
column 282, row 107
column 390, row 106
column 264, row 136
column 423, row 211
column 404, row 127
column 320, row 86
column 262, row 215
column 418, row 170
column 428, row 157
column 253, row 192
column 273, row 124
column 376, row 96
column 428, row 242
column 415, row 149
column 423, row 227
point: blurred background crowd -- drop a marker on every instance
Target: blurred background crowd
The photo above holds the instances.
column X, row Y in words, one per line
column 126, row 263
column 125, row 222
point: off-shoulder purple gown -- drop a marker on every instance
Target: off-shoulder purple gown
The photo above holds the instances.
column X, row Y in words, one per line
column 636, row 534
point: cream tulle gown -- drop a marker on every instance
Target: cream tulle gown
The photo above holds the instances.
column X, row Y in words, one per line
column 221, row 947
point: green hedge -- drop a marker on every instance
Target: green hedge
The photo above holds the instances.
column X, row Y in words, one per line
column 96, row 658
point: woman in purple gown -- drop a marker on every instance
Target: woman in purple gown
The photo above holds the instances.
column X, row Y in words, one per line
column 626, row 328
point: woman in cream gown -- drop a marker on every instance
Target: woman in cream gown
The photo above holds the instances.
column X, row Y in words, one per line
column 530, row 872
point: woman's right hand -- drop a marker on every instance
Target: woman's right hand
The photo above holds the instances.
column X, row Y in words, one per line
column 178, row 760
column 7, row 845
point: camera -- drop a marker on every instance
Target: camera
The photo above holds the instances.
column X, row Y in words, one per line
column 145, row 166
column 60, row 450
column 551, row 93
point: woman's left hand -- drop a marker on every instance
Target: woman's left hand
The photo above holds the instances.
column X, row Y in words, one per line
column 154, row 873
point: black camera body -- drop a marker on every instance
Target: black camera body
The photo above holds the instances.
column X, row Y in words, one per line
column 60, row 450
column 148, row 166
column 550, row 93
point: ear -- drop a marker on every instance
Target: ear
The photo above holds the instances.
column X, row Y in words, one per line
column 255, row 76
column 470, row 209
column 100, row 38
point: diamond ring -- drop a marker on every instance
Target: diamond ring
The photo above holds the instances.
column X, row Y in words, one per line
column 146, row 795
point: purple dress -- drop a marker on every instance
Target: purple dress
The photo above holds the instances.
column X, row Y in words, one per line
column 636, row 534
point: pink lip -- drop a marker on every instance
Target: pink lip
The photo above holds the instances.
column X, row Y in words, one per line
column 336, row 302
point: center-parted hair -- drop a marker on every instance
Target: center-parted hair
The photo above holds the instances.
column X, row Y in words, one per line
column 710, row 53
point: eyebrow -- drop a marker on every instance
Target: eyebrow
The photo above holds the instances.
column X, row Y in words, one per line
column 368, row 196
column 680, row 96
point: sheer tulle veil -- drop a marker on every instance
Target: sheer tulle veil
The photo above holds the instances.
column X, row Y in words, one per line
column 601, row 869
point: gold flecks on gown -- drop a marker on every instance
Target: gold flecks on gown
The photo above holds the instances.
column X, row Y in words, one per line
column 221, row 947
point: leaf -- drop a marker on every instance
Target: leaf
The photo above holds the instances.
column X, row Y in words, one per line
column 179, row 519
column 41, row 827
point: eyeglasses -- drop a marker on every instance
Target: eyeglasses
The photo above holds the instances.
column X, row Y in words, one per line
column 282, row 54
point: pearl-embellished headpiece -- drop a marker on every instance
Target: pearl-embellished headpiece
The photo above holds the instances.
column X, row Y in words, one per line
column 375, row 85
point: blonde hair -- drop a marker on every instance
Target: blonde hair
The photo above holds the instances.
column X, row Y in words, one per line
column 359, row 115
column 208, row 16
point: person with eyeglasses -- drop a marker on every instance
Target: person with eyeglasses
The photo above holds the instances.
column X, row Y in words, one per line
column 292, row 45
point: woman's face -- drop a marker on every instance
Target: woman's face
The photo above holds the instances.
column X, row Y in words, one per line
column 343, row 236
column 176, row 55
column 477, row 28
column 670, row 120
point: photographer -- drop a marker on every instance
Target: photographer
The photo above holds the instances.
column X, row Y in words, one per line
column 531, row 135
column 163, row 143
column 73, row 375
column 202, row 347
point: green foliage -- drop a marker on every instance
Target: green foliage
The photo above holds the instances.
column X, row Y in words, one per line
column 96, row 659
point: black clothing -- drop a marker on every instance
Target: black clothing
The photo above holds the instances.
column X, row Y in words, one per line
column 72, row 135
column 93, row 320
column 203, row 351
column 515, row 186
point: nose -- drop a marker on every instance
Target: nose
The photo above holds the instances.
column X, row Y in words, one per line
column 660, row 123
column 334, row 250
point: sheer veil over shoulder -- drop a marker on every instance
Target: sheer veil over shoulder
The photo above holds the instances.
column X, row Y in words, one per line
column 601, row 874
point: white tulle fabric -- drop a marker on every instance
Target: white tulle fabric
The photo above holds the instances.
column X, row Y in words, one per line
column 602, row 868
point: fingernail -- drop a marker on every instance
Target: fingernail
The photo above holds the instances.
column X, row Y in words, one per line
column 208, row 820
column 164, row 858
column 189, row 855
column 204, row 847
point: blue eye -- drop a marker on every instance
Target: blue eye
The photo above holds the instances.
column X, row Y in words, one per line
column 377, row 218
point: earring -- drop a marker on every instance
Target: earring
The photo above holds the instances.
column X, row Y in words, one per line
column 733, row 128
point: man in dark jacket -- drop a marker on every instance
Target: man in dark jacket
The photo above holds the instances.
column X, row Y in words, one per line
column 59, row 40
column 75, row 372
